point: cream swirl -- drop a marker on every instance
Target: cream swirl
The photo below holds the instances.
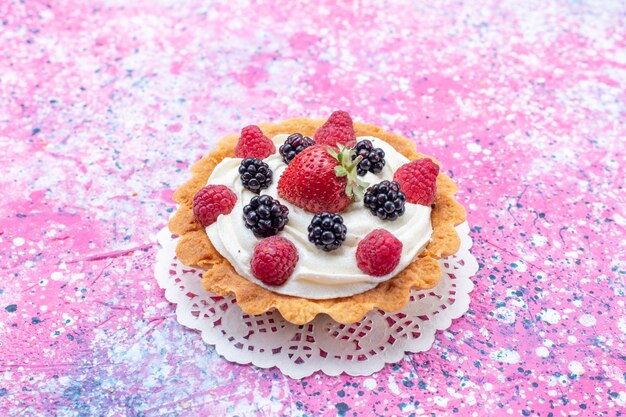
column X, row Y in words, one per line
column 318, row 274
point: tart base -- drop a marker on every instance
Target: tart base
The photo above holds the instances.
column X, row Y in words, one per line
column 195, row 249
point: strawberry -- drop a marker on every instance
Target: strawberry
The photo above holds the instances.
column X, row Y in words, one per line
column 418, row 181
column 337, row 130
column 254, row 144
column 319, row 179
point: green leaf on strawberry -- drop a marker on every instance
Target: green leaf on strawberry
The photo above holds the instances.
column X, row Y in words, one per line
column 340, row 171
column 355, row 187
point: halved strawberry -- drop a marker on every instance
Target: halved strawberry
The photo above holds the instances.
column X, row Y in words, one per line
column 319, row 179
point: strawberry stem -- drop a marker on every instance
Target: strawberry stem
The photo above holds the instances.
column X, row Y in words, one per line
column 347, row 167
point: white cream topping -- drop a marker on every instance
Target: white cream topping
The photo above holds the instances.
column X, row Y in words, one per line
column 318, row 274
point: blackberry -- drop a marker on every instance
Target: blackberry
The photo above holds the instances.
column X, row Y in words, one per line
column 373, row 158
column 255, row 174
column 265, row 216
column 327, row 231
column 294, row 144
column 385, row 200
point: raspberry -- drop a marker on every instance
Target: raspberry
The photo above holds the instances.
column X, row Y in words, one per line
column 378, row 253
column 273, row 260
column 338, row 129
column 211, row 201
column 418, row 181
column 253, row 144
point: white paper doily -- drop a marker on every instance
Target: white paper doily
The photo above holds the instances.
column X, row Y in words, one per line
column 268, row 340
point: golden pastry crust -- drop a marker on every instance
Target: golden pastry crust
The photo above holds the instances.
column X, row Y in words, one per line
column 195, row 249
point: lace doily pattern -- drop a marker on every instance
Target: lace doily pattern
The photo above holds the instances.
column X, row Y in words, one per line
column 268, row 340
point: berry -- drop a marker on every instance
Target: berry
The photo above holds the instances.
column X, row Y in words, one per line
column 327, row 231
column 254, row 144
column 294, row 144
column 319, row 179
column 378, row 253
column 338, row 129
column 255, row 174
column 418, row 180
column 265, row 216
column 373, row 158
column 274, row 260
column 385, row 200
column 211, row 201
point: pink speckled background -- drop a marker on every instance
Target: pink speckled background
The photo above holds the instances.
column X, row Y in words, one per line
column 104, row 106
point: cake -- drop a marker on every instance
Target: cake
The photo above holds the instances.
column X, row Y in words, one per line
column 317, row 216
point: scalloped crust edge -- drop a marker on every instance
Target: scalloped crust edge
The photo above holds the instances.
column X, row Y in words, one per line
column 195, row 249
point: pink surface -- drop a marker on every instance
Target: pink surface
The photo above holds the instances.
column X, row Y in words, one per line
column 103, row 108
